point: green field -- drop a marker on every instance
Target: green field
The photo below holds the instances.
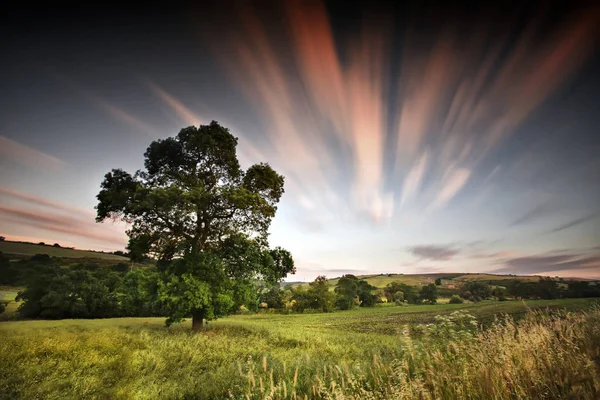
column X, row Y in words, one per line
column 239, row 355
column 448, row 279
column 30, row 249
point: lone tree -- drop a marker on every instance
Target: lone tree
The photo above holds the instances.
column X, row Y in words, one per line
column 203, row 219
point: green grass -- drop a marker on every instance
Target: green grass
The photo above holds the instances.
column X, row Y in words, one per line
column 140, row 358
column 7, row 296
column 29, row 249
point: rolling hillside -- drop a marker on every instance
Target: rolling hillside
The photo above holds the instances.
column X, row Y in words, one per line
column 449, row 280
column 20, row 249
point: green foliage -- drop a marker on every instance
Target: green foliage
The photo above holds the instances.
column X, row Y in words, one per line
column 321, row 298
column 195, row 205
column 456, row 299
column 74, row 294
column 411, row 294
column 352, row 291
column 346, row 291
column 380, row 296
column 545, row 288
column 274, row 297
column 429, row 293
column 399, row 298
column 438, row 281
column 476, row 291
column 317, row 297
column 138, row 294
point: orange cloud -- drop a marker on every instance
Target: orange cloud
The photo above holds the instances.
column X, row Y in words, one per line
column 44, row 202
column 79, row 226
column 459, row 96
column 28, row 156
column 180, row 109
column 311, row 99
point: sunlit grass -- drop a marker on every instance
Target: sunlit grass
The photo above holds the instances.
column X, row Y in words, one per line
column 337, row 355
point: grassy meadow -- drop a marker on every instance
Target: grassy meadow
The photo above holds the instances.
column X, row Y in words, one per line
column 422, row 351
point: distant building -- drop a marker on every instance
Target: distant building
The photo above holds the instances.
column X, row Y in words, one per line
column 451, row 286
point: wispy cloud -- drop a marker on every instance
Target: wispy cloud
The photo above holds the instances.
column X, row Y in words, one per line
column 34, row 214
column 126, row 118
column 434, row 252
column 545, row 264
column 117, row 113
column 313, row 99
column 8, row 192
column 327, row 100
column 574, row 222
column 456, row 179
column 187, row 115
column 541, row 210
column 413, row 179
column 28, row 156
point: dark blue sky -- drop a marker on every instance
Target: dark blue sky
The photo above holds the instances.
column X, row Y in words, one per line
column 413, row 138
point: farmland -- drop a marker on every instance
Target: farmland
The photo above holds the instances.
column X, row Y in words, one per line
column 239, row 355
column 448, row 280
column 19, row 249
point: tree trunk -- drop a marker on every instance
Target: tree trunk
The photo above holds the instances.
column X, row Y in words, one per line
column 197, row 320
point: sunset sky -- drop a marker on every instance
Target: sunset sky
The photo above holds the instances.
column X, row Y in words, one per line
column 413, row 138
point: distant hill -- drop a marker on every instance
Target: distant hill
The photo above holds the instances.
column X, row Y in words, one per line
column 20, row 249
column 449, row 280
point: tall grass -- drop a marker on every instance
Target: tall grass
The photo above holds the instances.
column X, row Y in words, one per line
column 544, row 355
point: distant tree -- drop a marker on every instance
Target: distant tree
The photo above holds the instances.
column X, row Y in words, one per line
column 391, row 289
column 300, row 299
column 203, row 218
column 2, row 238
column 119, row 253
column 380, row 296
column 120, row 267
column 456, row 299
column 42, row 243
column 476, row 290
column 365, row 293
column 399, row 298
column 274, row 297
column 138, row 294
column 438, row 281
column 56, row 245
column 347, row 293
column 429, row 293
column 9, row 275
column 2, row 307
column 53, row 294
column 547, row 288
column 41, row 259
column 320, row 296
column 499, row 293
column 411, row 294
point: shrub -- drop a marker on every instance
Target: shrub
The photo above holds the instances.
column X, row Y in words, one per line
column 456, row 300
column 399, row 298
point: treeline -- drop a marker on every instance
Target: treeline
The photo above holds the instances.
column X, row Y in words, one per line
column 82, row 290
column 349, row 292
column 544, row 288
column 87, row 290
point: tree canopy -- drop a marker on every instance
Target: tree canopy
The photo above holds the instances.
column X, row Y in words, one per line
column 202, row 217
